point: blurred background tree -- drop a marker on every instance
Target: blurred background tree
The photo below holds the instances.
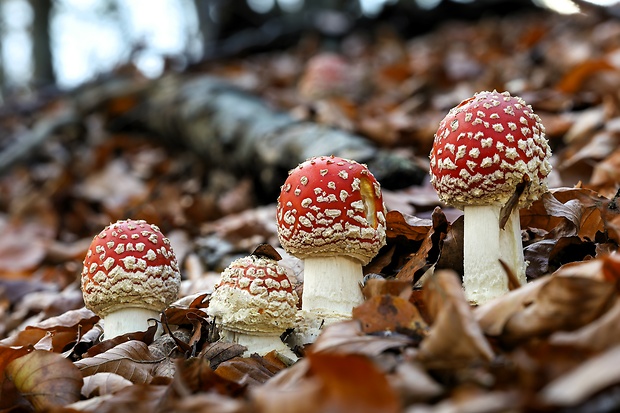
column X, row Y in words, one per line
column 67, row 42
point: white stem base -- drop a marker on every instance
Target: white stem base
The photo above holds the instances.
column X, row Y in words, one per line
column 260, row 344
column 484, row 245
column 332, row 285
column 308, row 326
column 129, row 320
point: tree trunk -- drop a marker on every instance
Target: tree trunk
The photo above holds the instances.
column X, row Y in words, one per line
column 43, row 73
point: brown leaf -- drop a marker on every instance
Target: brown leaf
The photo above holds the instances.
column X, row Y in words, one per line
column 598, row 335
column 388, row 313
column 61, row 330
column 103, row 383
column 451, row 257
column 428, row 253
column 351, row 383
column 195, row 375
column 251, row 370
column 347, row 338
column 454, row 336
column 380, row 286
column 585, row 380
column 138, row 397
column 45, row 379
column 572, row 81
column 410, row 227
column 22, row 246
column 562, row 303
column 221, row 351
column 131, row 360
column 8, row 395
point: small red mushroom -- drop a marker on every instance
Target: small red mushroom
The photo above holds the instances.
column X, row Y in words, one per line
column 130, row 275
column 488, row 149
column 326, row 74
column 330, row 213
column 254, row 303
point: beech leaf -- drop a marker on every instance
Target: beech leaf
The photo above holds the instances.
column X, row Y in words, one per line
column 454, row 335
column 100, row 384
column 131, row 360
column 45, row 379
column 388, row 313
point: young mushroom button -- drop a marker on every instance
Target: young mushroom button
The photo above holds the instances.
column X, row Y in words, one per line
column 254, row 303
column 330, row 213
column 130, row 275
column 490, row 151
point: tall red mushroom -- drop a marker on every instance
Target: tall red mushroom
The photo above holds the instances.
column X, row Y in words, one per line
column 488, row 150
column 330, row 213
column 130, row 275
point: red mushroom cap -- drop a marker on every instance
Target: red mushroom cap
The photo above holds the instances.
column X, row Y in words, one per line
column 130, row 264
column 331, row 206
column 326, row 74
column 254, row 295
column 485, row 147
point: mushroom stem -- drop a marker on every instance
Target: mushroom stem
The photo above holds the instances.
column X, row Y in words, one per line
column 484, row 244
column 332, row 286
column 129, row 320
column 259, row 344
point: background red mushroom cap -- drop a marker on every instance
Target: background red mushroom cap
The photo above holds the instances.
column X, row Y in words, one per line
column 331, row 206
column 254, row 295
column 129, row 264
column 485, row 147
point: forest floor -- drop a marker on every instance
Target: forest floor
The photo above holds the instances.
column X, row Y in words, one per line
column 553, row 345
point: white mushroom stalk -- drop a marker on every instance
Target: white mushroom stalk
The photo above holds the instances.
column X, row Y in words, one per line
column 330, row 214
column 484, row 245
column 489, row 152
column 130, row 275
column 254, row 304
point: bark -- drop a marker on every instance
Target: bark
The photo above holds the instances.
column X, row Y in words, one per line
column 235, row 131
column 228, row 128
column 43, row 74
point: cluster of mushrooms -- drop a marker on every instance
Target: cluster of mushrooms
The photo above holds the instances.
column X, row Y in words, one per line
column 489, row 158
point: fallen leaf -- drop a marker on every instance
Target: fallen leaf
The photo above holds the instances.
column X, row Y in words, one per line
column 221, row 351
column 379, row 286
column 45, row 379
column 563, row 303
column 351, row 382
column 131, row 360
column 454, row 335
column 388, row 313
column 410, row 227
column 590, row 377
column 100, row 384
column 598, row 335
column 348, row 338
column 251, row 370
column 195, row 375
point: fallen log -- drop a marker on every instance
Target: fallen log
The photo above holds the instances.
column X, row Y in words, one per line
column 236, row 131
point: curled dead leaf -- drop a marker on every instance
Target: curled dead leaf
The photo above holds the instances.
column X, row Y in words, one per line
column 131, row 360
column 388, row 313
column 100, row 384
column 562, row 303
column 454, row 335
column 45, row 379
column 348, row 338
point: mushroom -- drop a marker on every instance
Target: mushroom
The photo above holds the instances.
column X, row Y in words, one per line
column 330, row 213
column 327, row 74
column 490, row 153
column 130, row 275
column 254, row 304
